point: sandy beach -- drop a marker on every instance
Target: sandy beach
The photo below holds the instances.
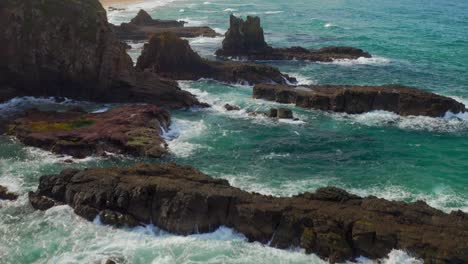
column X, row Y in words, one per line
column 107, row 3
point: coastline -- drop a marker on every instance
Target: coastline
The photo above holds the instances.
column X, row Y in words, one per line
column 119, row 3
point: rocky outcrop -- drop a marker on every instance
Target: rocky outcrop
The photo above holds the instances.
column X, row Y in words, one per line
column 245, row 39
column 67, row 48
column 402, row 100
column 330, row 222
column 134, row 130
column 143, row 26
column 170, row 56
column 7, row 195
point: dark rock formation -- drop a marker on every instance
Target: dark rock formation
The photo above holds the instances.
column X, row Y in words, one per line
column 133, row 130
column 143, row 26
column 67, row 48
column 330, row 222
column 245, row 39
column 6, row 195
column 231, row 107
column 170, row 56
column 359, row 99
column 281, row 113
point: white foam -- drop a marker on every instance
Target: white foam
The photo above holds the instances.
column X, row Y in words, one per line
column 394, row 257
column 449, row 123
column 205, row 40
column 273, row 12
column 327, row 25
column 301, row 79
column 230, row 10
column 194, row 22
column 180, row 134
column 375, row 60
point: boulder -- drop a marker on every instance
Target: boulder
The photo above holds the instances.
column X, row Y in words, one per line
column 67, row 48
column 6, row 195
column 143, row 26
column 330, row 222
column 245, row 39
column 135, row 130
column 172, row 57
column 229, row 107
column 402, row 100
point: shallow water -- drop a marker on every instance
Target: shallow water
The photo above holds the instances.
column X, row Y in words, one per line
column 417, row 43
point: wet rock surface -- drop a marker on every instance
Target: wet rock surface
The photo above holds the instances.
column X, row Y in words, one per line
column 359, row 99
column 143, row 26
column 330, row 222
column 172, row 57
column 134, row 130
column 7, row 195
column 245, row 39
column 67, row 48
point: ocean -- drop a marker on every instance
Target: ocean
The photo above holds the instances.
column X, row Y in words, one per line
column 420, row 43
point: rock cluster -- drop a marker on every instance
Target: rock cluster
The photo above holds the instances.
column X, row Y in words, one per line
column 134, row 130
column 172, row 57
column 67, row 48
column 7, row 195
column 330, row 222
column 143, row 26
column 402, row 100
column 245, row 39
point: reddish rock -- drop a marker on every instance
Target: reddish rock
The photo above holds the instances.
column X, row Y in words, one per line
column 359, row 99
column 134, row 130
column 330, row 222
column 143, row 26
column 67, row 49
column 170, row 56
column 245, row 39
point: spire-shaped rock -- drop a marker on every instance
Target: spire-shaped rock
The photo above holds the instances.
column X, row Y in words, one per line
column 244, row 37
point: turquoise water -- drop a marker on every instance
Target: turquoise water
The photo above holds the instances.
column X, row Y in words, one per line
column 418, row 43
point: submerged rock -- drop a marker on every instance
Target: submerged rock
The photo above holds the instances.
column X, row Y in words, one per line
column 229, row 107
column 172, row 57
column 359, row 99
column 67, row 48
column 7, row 195
column 245, row 39
column 134, row 130
column 330, row 222
column 281, row 113
column 143, row 26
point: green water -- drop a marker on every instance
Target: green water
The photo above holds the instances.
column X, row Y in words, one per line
column 418, row 43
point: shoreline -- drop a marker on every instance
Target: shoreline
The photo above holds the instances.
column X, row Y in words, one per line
column 118, row 3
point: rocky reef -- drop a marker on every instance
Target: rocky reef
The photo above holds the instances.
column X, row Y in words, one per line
column 7, row 195
column 134, row 130
column 172, row 57
column 330, row 222
column 245, row 39
column 143, row 26
column 67, row 48
column 402, row 100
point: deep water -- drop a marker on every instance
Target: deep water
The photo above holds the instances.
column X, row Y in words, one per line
column 420, row 43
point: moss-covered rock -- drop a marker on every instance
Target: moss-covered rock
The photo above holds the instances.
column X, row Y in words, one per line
column 133, row 130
